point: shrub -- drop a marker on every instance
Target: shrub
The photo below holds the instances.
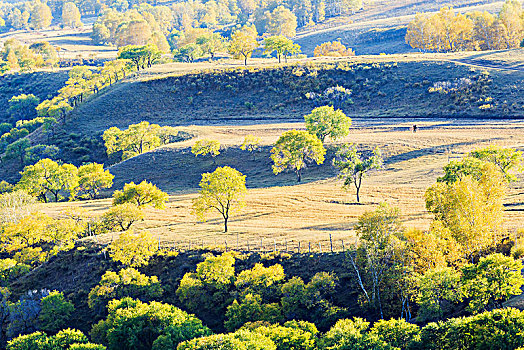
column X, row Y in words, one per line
column 133, row 249
column 492, row 281
column 55, row 311
column 250, row 309
column 126, row 283
column 131, row 324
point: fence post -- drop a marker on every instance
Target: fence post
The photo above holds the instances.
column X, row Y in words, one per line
column 248, row 244
column 343, row 249
column 298, row 247
column 274, row 246
column 286, row 245
column 226, row 244
column 309, row 243
column 261, row 245
column 320, row 247
column 237, row 241
column 331, row 243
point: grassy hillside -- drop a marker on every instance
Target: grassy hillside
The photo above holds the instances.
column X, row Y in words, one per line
column 41, row 84
column 381, row 87
column 76, row 272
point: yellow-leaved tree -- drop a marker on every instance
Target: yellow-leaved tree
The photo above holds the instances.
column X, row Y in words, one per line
column 222, row 190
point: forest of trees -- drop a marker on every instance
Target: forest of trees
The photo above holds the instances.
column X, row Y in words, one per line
column 448, row 30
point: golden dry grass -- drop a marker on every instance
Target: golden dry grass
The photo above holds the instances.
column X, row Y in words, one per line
column 310, row 212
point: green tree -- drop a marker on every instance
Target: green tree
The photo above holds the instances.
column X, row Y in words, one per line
column 142, row 56
column 145, row 193
column 47, row 177
column 208, row 288
column 92, row 178
column 211, row 43
column 122, row 216
column 352, row 335
column 437, row 291
column 133, row 249
column 243, row 42
column 206, row 147
column 23, row 107
column 17, row 150
column 55, row 312
column 127, row 282
column 353, row 166
column 222, row 190
column 71, row 15
column 326, row 121
column 294, row 149
column 506, row 159
column 132, row 324
column 397, row 333
column 492, row 281
column 36, row 153
column 281, row 45
column 188, row 53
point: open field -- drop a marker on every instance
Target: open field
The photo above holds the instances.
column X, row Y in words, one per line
column 279, row 210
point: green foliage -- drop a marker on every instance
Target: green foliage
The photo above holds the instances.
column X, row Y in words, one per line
column 127, row 282
column 67, row 339
column 439, row 290
column 92, row 178
column 352, row 335
column 133, row 249
column 188, row 53
column 136, row 139
column 294, row 149
column 206, row 147
column 208, row 287
column 222, row 190
column 497, row 329
column 397, row 333
column 353, row 166
column 23, row 107
column 36, row 153
column 281, row 45
column 145, row 193
column 288, row 338
column 311, row 301
column 214, row 342
column 56, row 312
column 456, row 169
column 506, row 159
column 326, row 121
column 490, row 282
column 122, row 216
column 250, row 309
column 132, row 324
column 142, row 56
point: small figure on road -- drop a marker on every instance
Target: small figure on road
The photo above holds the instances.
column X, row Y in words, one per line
column 414, row 128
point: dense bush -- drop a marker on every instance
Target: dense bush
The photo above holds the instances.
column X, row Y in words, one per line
column 132, row 324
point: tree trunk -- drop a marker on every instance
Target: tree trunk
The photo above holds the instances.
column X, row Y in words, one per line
column 279, row 59
column 245, row 60
column 225, row 223
column 299, row 176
